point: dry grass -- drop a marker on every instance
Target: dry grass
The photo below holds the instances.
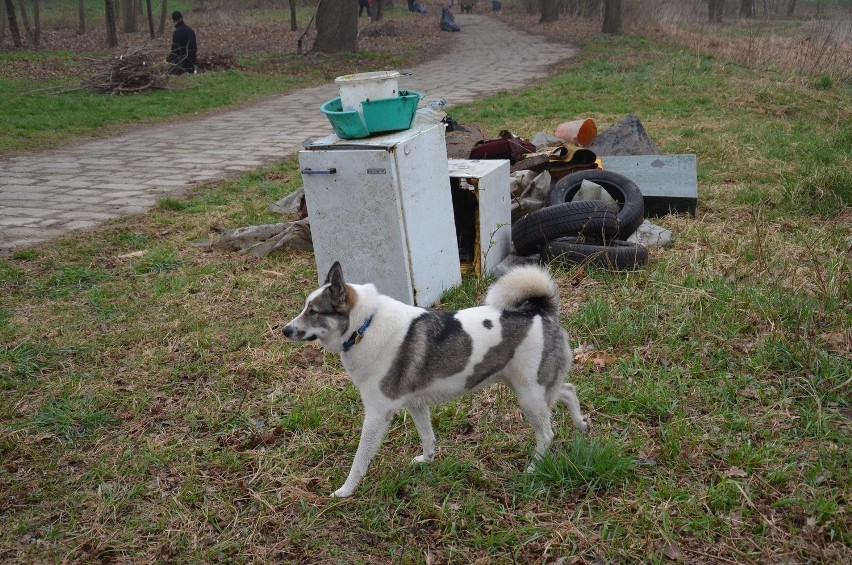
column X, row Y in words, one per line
column 809, row 46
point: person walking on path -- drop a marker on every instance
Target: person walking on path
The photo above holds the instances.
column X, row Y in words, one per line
column 364, row 4
column 184, row 52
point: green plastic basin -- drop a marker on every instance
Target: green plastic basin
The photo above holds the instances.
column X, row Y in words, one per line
column 347, row 125
column 391, row 114
column 380, row 115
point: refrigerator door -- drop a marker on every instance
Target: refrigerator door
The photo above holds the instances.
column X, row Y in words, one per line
column 356, row 218
column 383, row 208
column 427, row 211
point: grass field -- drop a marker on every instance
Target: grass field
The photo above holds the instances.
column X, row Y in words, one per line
column 150, row 410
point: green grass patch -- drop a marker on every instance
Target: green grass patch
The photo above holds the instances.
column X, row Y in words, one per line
column 594, row 465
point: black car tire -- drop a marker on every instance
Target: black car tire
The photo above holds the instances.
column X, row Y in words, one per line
column 615, row 254
column 621, row 188
column 589, row 218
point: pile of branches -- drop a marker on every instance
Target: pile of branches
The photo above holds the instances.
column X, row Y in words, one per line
column 132, row 72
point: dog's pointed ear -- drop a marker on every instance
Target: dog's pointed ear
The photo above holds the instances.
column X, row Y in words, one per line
column 335, row 271
column 337, row 287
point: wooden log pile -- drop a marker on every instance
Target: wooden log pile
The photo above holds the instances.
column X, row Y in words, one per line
column 133, row 72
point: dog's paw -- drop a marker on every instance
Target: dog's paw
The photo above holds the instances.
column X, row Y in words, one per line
column 585, row 426
column 342, row 492
column 420, row 459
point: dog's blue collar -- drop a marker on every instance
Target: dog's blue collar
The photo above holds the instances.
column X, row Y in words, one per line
column 357, row 335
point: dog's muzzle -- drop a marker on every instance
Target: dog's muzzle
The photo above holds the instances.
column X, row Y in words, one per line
column 296, row 334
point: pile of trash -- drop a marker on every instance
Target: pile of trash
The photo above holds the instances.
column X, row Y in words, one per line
column 565, row 208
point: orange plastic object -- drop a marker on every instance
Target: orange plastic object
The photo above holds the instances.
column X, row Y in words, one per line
column 579, row 132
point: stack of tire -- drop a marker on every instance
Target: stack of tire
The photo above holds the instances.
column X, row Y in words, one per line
column 587, row 231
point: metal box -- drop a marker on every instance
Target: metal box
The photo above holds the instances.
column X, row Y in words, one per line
column 668, row 183
column 482, row 210
column 382, row 207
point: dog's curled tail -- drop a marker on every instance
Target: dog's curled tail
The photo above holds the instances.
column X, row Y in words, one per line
column 525, row 288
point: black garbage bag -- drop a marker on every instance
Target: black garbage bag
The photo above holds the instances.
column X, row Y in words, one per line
column 448, row 22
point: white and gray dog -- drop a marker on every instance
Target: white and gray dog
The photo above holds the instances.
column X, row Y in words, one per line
column 402, row 356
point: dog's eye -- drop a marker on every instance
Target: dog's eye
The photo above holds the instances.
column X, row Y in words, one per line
column 312, row 311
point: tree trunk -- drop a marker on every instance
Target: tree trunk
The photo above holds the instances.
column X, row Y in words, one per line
column 337, row 27
column 81, row 11
column 293, row 26
column 589, row 8
column 378, row 10
column 549, row 11
column 25, row 18
column 791, row 7
column 150, row 10
column 109, row 12
column 163, row 12
column 747, row 8
column 36, row 23
column 13, row 24
column 715, row 9
column 2, row 21
column 612, row 17
column 128, row 16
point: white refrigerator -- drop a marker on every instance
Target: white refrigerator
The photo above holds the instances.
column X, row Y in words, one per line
column 382, row 206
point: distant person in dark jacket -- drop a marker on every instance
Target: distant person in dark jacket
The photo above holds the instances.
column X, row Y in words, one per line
column 184, row 53
column 362, row 5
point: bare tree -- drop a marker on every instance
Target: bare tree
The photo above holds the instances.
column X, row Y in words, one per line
column 2, row 21
column 791, row 7
column 81, row 12
column 747, row 8
column 549, row 11
column 150, row 11
column 128, row 16
column 337, row 27
column 36, row 24
column 293, row 26
column 109, row 13
column 588, row 8
column 715, row 10
column 612, row 16
column 378, row 10
column 13, row 24
column 25, row 18
column 163, row 12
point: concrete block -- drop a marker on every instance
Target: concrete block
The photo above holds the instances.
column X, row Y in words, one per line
column 668, row 183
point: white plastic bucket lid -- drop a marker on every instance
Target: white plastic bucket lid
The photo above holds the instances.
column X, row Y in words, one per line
column 376, row 76
column 356, row 88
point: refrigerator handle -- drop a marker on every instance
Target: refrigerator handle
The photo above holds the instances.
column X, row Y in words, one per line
column 329, row 171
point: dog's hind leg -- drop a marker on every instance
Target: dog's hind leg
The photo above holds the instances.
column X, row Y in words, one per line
column 537, row 414
column 423, row 423
column 372, row 433
column 568, row 395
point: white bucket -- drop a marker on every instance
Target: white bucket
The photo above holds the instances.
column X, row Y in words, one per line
column 356, row 88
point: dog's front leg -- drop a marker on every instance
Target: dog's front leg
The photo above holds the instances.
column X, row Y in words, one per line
column 423, row 423
column 372, row 433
